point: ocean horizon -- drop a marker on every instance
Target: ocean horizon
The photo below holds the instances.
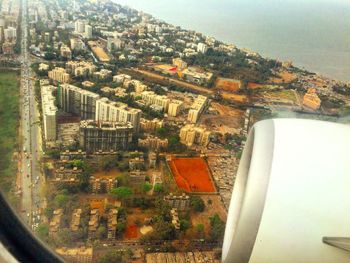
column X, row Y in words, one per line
column 314, row 34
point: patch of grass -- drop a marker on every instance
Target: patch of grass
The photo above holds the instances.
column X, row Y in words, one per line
column 9, row 119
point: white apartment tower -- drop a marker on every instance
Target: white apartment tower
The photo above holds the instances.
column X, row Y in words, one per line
column 49, row 110
column 88, row 31
column 111, row 111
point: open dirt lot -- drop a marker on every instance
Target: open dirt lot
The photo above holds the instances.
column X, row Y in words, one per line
column 231, row 85
column 283, row 77
column 238, row 98
column 210, row 210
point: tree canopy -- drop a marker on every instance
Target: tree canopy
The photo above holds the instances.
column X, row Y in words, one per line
column 122, row 192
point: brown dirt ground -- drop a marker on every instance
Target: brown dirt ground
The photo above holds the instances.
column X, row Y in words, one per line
column 231, row 85
column 210, row 210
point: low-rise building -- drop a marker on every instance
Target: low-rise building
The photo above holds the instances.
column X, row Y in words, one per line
column 196, row 75
column 180, row 202
column 137, row 177
column 103, row 74
column 120, row 78
column 72, row 155
column 137, row 163
column 179, row 63
column 55, row 222
column 153, row 143
column 102, row 185
column 88, row 84
column 175, row 218
column 8, row 48
column 75, row 223
column 152, row 159
column 151, row 125
column 43, row 67
column 76, row 255
column 93, row 223
column 112, row 223
column 67, row 175
column 66, row 52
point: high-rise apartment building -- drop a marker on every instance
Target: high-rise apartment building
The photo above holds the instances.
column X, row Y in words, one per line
column 190, row 134
column 88, row 31
column 79, row 26
column 151, row 98
column 59, row 75
column 111, row 111
column 77, row 101
column 174, row 107
column 197, row 108
column 202, row 48
column 49, row 111
column 97, row 136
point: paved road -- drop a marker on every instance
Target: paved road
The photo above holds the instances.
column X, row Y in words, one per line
column 31, row 133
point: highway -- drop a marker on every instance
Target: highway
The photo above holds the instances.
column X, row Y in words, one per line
column 30, row 170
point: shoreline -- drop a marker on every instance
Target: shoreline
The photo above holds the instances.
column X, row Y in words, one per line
column 344, row 78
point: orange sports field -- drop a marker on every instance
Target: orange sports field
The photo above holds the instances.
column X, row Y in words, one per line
column 192, row 174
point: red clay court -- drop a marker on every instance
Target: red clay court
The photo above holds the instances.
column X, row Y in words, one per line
column 192, row 174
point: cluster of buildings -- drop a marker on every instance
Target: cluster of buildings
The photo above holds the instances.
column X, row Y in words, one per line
column 82, row 28
column 105, row 125
column 8, row 26
column 191, row 135
column 80, row 68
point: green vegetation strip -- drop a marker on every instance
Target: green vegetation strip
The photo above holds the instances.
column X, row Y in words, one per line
column 9, row 116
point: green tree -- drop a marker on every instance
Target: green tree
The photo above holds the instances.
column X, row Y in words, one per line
column 61, row 200
column 121, row 228
column 108, row 164
column 43, row 231
column 122, row 192
column 184, row 224
column 161, row 132
column 115, row 256
column 217, row 228
column 123, row 179
column 123, row 166
column 158, row 188
column 197, row 204
column 101, row 232
column 78, row 163
column 200, row 230
column 146, row 187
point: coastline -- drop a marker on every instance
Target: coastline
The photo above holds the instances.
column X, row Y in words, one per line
column 328, row 60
